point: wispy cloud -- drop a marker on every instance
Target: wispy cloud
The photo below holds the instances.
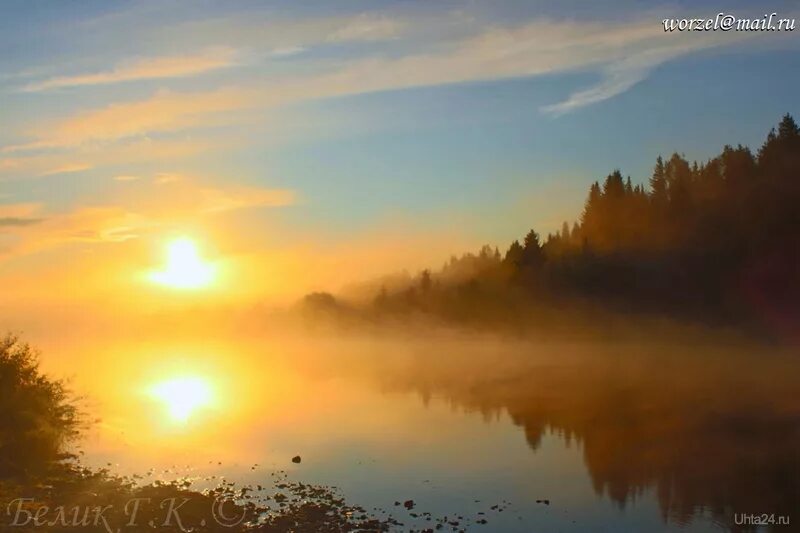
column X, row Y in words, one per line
column 163, row 178
column 624, row 53
column 137, row 213
column 266, row 30
column 146, row 68
column 68, row 168
column 164, row 111
column 118, row 154
column 368, row 27
column 19, row 215
column 89, row 224
column 621, row 74
column 189, row 194
column 614, row 82
column 214, row 200
column 287, row 51
column 24, row 147
column 18, row 221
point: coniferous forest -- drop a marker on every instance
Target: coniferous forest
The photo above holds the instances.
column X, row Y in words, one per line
column 715, row 241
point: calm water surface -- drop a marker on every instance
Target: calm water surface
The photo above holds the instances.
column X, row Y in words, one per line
column 626, row 437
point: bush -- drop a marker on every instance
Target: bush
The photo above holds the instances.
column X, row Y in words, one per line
column 38, row 414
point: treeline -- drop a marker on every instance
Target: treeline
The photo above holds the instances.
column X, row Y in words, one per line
column 717, row 240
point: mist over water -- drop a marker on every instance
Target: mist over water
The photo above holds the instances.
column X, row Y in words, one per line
column 629, row 435
column 400, row 266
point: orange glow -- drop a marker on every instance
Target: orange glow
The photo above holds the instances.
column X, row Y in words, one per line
column 184, row 269
column 183, row 396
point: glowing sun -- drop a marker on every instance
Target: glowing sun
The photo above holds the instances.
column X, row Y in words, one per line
column 184, row 268
column 183, row 396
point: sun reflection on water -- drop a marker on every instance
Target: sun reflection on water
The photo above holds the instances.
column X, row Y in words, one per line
column 183, row 396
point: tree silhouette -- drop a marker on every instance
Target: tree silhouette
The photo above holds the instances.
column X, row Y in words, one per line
column 38, row 414
column 715, row 240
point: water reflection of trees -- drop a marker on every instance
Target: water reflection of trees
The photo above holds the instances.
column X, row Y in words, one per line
column 712, row 432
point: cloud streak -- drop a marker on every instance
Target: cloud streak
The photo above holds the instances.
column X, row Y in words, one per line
column 68, row 168
column 621, row 74
column 139, row 212
column 368, row 28
column 19, row 215
column 165, row 111
column 623, row 52
column 18, row 221
column 147, row 68
column 117, row 154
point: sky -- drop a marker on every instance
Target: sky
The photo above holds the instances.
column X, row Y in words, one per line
column 306, row 146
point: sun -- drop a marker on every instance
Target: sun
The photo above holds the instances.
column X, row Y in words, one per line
column 185, row 268
column 183, row 396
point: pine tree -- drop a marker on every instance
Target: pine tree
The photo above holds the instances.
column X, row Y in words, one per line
column 788, row 127
column 532, row 250
column 514, row 255
column 658, row 184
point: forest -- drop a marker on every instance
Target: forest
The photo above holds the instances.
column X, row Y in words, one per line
column 715, row 241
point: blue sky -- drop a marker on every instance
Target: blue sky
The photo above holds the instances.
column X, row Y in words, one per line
column 341, row 127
